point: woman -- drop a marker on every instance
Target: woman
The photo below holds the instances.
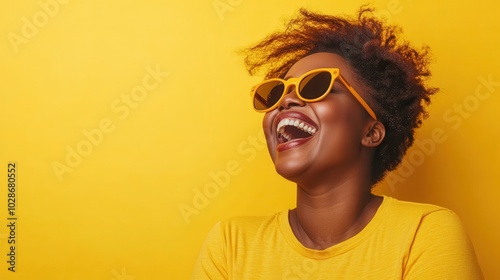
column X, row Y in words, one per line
column 342, row 101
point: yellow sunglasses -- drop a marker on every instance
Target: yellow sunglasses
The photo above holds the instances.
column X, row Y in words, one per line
column 310, row 87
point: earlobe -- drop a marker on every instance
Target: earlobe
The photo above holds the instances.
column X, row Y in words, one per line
column 375, row 134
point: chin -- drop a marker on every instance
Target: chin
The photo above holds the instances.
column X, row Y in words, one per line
column 292, row 170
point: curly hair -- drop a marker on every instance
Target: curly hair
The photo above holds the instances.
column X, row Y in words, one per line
column 393, row 72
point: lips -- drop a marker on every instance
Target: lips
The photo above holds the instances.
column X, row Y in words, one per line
column 293, row 129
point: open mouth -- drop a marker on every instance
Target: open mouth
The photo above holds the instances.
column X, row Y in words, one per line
column 289, row 129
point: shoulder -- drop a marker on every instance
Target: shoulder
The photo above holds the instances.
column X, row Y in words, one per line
column 242, row 227
column 249, row 225
column 414, row 214
column 429, row 221
column 415, row 225
column 438, row 243
column 409, row 207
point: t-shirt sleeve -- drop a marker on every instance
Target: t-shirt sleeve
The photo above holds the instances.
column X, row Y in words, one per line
column 441, row 249
column 211, row 262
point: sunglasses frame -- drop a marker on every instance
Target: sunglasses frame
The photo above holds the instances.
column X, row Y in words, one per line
column 334, row 72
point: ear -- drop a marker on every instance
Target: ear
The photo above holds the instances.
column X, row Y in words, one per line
column 374, row 134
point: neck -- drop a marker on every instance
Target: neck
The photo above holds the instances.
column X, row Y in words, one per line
column 325, row 218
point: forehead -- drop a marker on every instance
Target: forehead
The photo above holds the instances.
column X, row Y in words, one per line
column 319, row 60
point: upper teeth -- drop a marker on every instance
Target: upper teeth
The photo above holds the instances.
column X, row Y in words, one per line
column 297, row 123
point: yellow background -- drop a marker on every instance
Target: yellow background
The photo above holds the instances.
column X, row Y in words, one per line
column 115, row 213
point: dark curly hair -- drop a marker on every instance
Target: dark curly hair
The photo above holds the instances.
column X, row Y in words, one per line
column 393, row 72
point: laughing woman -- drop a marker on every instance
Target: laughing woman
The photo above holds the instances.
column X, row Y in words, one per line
column 342, row 100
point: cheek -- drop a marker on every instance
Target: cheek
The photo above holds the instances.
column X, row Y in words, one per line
column 329, row 112
column 267, row 122
column 267, row 127
column 341, row 124
column 339, row 110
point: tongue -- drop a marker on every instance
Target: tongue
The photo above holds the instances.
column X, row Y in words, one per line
column 296, row 133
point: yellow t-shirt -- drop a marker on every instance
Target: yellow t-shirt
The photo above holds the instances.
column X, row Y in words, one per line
column 404, row 240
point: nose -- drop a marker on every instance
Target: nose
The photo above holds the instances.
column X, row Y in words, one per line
column 290, row 99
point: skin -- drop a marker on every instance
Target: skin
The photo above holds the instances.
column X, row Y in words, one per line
column 333, row 169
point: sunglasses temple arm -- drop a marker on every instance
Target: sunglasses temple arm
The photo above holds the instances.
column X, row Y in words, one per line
column 260, row 99
column 359, row 98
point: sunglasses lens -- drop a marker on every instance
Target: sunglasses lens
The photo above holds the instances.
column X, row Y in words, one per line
column 315, row 85
column 268, row 94
column 311, row 88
